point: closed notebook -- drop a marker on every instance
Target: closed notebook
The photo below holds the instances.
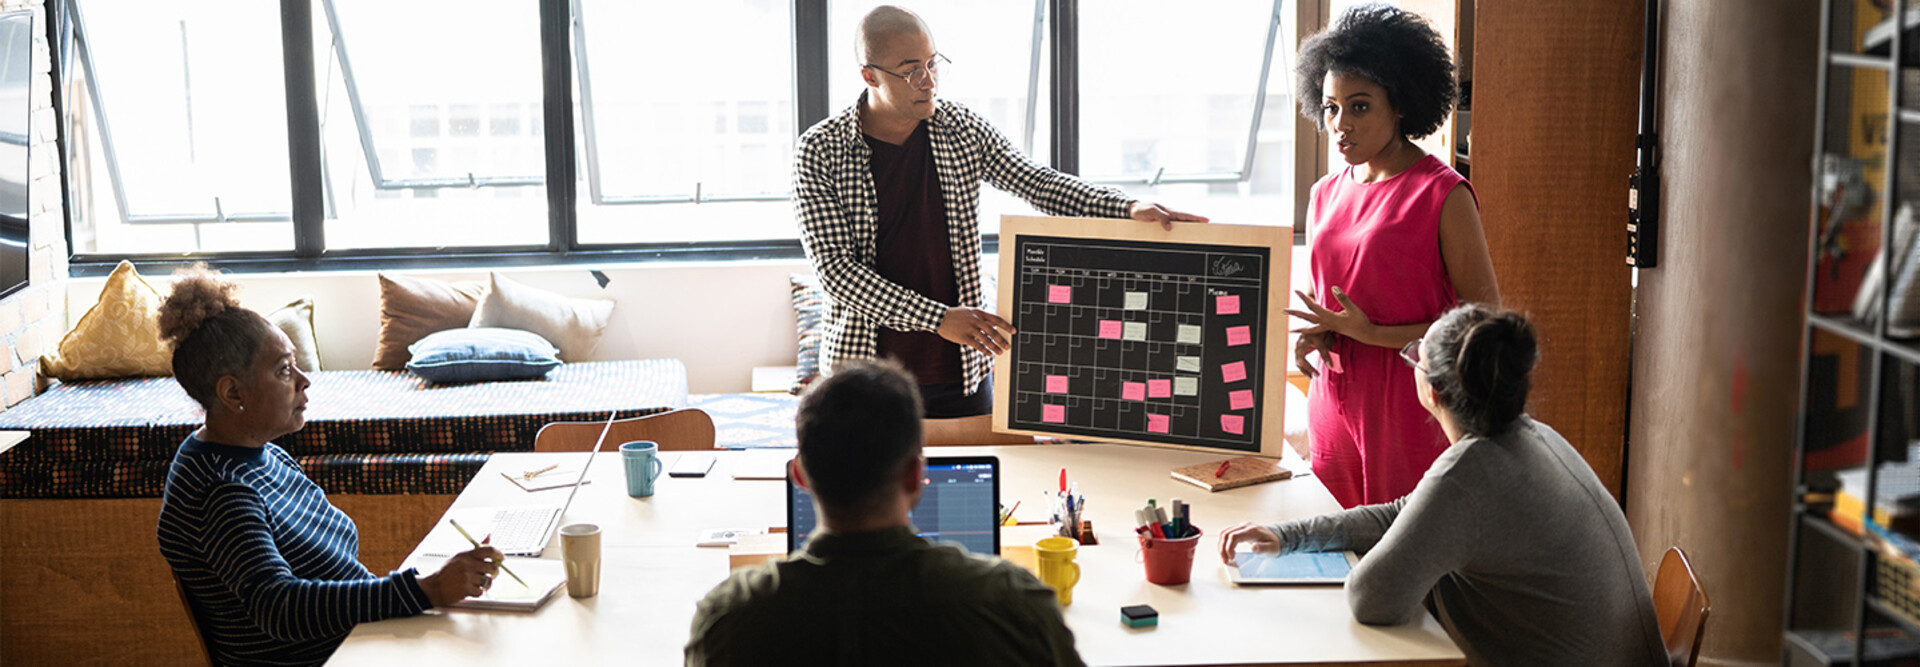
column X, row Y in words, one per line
column 544, row 577
column 1243, row 471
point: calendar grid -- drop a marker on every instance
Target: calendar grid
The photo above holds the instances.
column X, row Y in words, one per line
column 1172, row 333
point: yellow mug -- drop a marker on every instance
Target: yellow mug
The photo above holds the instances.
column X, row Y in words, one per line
column 1054, row 556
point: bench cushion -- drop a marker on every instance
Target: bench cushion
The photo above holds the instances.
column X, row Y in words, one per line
column 115, row 438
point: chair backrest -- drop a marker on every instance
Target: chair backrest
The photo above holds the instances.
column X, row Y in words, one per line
column 1682, row 607
column 684, row 429
column 204, row 652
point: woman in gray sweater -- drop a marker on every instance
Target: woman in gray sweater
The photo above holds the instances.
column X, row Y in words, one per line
column 1509, row 539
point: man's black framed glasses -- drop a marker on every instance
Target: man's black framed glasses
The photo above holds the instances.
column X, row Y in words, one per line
column 920, row 76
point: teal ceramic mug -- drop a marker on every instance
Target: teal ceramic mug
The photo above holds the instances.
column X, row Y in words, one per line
column 642, row 458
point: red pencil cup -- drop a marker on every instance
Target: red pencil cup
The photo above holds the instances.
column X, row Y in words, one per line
column 1169, row 562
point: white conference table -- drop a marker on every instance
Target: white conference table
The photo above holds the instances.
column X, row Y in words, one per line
column 653, row 575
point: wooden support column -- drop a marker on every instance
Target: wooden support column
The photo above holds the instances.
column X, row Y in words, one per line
column 1555, row 93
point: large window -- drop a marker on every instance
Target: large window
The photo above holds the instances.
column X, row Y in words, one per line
column 431, row 137
column 177, row 131
column 436, row 125
column 686, row 134
column 1181, row 125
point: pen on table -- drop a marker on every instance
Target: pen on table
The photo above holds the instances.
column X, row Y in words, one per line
column 536, row 473
column 476, row 545
column 1223, row 468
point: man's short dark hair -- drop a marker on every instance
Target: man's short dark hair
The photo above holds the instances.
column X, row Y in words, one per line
column 1391, row 47
column 856, row 428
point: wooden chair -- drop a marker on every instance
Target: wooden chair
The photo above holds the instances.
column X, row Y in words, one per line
column 203, row 652
column 1682, row 607
column 684, row 429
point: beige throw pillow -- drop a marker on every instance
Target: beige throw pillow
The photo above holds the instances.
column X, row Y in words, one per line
column 296, row 321
column 573, row 325
column 118, row 337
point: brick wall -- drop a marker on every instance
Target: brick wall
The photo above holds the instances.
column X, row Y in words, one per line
column 32, row 320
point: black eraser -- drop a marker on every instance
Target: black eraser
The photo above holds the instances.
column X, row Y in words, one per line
column 1139, row 615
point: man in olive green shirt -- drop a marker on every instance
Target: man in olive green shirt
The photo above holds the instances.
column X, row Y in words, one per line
column 866, row 590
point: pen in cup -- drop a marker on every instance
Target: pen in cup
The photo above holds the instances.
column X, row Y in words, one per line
column 502, row 563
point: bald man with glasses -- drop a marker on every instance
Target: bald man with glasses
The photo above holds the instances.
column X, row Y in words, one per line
column 888, row 197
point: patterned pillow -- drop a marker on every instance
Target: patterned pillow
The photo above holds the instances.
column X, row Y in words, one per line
column 810, row 305
column 118, row 337
column 481, row 354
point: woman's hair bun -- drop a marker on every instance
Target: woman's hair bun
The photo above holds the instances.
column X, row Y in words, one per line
column 1480, row 364
column 198, row 294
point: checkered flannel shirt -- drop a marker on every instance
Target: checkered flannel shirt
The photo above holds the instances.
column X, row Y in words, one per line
column 833, row 196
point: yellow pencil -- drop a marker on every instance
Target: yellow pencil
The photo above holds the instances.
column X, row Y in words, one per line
column 476, row 544
column 536, row 473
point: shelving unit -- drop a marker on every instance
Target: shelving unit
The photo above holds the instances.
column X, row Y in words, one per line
column 1853, row 592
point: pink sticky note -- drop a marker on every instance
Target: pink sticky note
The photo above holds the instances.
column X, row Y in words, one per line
column 1240, row 335
column 1053, row 414
column 1156, row 423
column 1227, row 304
column 1240, row 400
column 1059, row 294
column 1159, row 388
column 1056, row 384
column 1234, row 424
column 1110, row 328
column 1233, row 372
column 1133, row 391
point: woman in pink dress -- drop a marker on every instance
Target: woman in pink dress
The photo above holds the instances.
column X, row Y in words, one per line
column 1395, row 242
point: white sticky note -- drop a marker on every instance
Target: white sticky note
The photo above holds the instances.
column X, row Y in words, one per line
column 1186, row 364
column 1134, row 331
column 1186, row 386
column 1188, row 333
column 1136, row 301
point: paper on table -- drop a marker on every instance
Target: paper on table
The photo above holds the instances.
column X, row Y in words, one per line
column 557, row 478
column 759, row 467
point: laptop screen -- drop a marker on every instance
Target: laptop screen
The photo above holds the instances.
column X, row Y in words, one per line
column 961, row 504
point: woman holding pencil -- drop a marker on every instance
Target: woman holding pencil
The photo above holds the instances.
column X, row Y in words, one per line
column 270, row 569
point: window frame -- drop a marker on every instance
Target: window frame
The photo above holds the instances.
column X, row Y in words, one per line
column 565, row 64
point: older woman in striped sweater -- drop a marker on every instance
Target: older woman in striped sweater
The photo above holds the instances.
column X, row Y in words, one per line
column 270, row 568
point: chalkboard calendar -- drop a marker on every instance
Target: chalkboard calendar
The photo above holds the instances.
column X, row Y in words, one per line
column 1127, row 332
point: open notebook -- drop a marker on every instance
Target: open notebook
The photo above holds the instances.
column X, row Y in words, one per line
column 544, row 577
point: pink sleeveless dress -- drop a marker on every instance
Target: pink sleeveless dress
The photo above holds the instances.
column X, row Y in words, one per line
column 1380, row 242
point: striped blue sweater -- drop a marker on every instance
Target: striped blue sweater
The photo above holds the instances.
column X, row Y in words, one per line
column 272, row 568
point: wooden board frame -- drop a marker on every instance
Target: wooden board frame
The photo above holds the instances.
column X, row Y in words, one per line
column 1276, row 240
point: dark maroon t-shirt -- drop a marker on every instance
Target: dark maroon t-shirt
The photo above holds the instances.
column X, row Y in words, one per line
column 913, row 250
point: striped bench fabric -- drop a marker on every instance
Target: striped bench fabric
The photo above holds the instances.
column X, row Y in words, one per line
column 376, row 432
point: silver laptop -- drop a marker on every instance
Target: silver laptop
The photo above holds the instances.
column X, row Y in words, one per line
column 525, row 530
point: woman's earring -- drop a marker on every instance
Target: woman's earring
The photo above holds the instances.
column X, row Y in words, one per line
column 240, row 408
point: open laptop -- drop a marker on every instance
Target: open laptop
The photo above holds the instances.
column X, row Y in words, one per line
column 524, row 530
column 961, row 505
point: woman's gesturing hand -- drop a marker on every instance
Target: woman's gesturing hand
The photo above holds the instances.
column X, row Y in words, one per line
column 1349, row 321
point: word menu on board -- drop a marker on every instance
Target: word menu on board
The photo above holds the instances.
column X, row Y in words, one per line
column 1131, row 333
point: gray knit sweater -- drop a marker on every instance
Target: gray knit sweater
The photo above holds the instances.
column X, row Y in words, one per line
column 1514, row 546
